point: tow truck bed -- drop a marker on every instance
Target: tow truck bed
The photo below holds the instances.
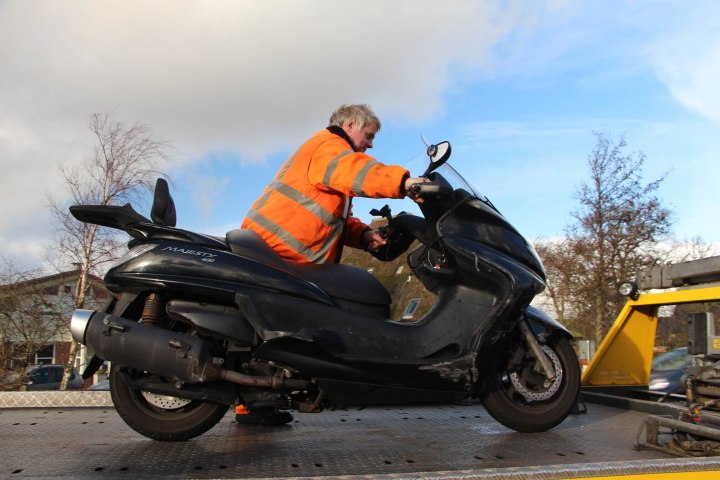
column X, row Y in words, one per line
column 448, row 442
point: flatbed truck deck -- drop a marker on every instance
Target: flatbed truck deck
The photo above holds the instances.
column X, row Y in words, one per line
column 432, row 442
column 422, row 442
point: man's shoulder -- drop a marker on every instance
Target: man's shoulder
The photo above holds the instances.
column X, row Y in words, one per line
column 326, row 138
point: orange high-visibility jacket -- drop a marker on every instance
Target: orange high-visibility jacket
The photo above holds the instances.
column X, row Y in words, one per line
column 305, row 212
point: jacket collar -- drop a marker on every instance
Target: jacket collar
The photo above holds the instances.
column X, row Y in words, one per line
column 341, row 133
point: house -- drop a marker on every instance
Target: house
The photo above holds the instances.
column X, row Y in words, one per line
column 35, row 317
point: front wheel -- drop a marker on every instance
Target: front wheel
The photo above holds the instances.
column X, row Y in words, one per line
column 519, row 396
column 162, row 417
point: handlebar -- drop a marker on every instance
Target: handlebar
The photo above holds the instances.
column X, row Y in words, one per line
column 432, row 187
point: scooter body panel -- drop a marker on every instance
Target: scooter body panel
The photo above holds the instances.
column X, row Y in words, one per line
column 184, row 270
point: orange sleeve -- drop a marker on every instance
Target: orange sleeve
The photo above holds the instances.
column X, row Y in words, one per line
column 354, row 230
column 335, row 166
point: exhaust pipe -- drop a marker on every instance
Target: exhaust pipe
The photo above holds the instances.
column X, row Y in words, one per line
column 170, row 354
column 185, row 358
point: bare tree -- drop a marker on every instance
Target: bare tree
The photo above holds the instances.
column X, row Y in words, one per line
column 680, row 251
column 619, row 222
column 124, row 166
column 29, row 320
column 564, row 270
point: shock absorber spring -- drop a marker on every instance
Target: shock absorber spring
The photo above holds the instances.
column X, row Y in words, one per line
column 153, row 311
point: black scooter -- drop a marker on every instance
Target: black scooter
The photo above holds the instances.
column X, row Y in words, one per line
column 199, row 323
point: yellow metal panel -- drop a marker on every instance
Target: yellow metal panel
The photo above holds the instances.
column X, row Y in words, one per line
column 686, row 295
column 625, row 354
column 708, row 475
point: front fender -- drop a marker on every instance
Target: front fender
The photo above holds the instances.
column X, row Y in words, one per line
column 541, row 323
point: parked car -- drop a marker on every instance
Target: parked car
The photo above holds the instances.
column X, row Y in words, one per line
column 48, row 377
column 667, row 374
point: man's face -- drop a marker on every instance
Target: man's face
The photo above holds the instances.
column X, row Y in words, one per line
column 363, row 137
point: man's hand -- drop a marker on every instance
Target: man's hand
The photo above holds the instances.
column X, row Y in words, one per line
column 409, row 182
column 372, row 240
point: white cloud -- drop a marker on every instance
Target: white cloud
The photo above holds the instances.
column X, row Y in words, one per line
column 206, row 192
column 252, row 77
column 688, row 62
column 249, row 77
column 227, row 74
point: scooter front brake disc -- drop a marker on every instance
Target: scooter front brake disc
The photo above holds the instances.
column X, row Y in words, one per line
column 549, row 387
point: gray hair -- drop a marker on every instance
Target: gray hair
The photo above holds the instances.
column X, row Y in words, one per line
column 361, row 114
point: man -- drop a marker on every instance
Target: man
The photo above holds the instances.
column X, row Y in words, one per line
column 305, row 214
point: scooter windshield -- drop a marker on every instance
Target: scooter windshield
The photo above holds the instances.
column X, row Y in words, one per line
column 458, row 181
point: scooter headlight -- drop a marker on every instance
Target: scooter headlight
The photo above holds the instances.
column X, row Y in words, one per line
column 134, row 253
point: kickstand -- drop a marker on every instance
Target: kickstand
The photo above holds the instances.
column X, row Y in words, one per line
column 580, row 406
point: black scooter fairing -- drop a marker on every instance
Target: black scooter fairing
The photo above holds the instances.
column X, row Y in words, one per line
column 437, row 352
column 194, row 272
column 213, row 275
column 479, row 222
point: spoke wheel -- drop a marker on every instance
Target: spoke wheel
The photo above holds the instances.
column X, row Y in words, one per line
column 162, row 417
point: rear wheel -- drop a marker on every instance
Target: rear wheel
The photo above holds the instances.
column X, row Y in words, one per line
column 517, row 393
column 162, row 417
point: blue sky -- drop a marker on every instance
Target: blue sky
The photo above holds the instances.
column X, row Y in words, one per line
column 518, row 88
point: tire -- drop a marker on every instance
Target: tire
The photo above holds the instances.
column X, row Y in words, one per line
column 160, row 417
column 522, row 399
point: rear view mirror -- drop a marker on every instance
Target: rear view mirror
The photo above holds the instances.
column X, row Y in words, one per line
column 438, row 155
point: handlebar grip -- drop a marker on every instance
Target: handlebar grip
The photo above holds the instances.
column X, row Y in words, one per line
column 383, row 231
column 427, row 188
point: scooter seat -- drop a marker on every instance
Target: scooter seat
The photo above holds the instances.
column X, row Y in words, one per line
column 247, row 243
column 346, row 282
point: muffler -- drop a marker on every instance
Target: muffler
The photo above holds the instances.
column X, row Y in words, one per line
column 184, row 358
column 144, row 347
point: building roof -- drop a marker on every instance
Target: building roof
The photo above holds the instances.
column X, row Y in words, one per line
column 50, row 280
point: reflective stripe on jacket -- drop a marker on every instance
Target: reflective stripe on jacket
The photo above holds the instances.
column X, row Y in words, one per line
column 304, row 214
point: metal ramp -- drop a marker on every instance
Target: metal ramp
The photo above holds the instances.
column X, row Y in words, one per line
column 440, row 442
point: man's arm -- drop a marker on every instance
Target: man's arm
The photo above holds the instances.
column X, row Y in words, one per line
column 336, row 167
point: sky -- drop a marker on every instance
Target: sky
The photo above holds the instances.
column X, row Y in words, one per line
column 517, row 87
